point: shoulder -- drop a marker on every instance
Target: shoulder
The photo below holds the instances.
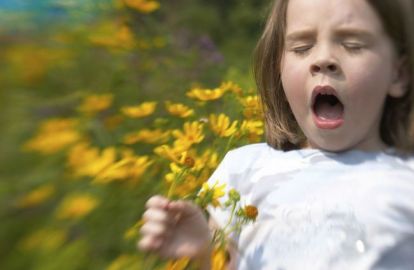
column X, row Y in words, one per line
column 240, row 165
column 410, row 162
column 400, row 165
column 391, row 182
column 247, row 155
column 252, row 149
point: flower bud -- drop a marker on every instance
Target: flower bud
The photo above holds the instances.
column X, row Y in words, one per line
column 189, row 162
column 234, row 195
column 251, row 212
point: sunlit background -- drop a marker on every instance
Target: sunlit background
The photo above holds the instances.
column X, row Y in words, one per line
column 99, row 100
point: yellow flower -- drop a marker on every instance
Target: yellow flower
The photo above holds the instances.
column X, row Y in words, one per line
column 185, row 145
column 178, row 109
column 36, row 196
column 210, row 195
column 144, row 6
column 125, row 37
column 180, row 264
column 168, row 152
column 252, row 107
column 253, row 129
column 53, row 135
column 147, row 136
column 192, row 134
column 211, row 159
column 185, row 161
column 96, row 103
column 76, row 206
column 125, row 262
column 132, row 232
column 178, row 153
column 182, row 182
column 188, row 186
column 206, row 94
column 189, row 162
column 87, row 161
column 208, row 160
column 142, row 110
column 221, row 125
column 175, row 171
column 113, row 36
column 128, row 168
column 219, row 259
column 250, row 101
column 30, row 63
column 45, row 239
column 232, row 87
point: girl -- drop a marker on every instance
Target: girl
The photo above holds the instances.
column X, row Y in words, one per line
column 332, row 186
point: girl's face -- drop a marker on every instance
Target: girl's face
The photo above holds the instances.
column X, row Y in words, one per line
column 337, row 68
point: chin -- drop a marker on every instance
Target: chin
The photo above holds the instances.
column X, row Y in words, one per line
column 335, row 149
column 330, row 146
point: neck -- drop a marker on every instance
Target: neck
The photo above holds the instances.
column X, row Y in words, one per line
column 366, row 146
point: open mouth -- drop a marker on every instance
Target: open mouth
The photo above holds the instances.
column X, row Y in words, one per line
column 327, row 108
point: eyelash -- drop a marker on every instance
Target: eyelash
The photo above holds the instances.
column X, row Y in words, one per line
column 353, row 47
column 350, row 47
column 301, row 50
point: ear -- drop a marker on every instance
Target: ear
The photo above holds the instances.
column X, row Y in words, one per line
column 401, row 80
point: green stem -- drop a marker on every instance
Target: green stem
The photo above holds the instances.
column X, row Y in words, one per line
column 232, row 229
column 149, row 261
column 174, row 183
column 172, row 189
column 229, row 143
column 231, row 216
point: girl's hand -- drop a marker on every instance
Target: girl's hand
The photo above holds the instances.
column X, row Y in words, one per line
column 175, row 229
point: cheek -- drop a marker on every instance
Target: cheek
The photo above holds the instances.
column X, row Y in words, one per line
column 368, row 88
column 293, row 81
column 373, row 68
column 369, row 84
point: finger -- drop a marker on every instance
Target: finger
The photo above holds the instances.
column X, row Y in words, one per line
column 183, row 208
column 150, row 243
column 157, row 201
column 154, row 229
column 156, row 214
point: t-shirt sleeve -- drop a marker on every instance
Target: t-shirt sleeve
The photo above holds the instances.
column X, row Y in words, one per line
column 398, row 216
column 399, row 255
column 221, row 176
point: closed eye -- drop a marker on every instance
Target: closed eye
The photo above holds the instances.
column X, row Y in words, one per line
column 353, row 47
column 301, row 50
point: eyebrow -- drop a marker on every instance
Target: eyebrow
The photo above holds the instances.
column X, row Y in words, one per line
column 354, row 32
column 342, row 32
column 300, row 35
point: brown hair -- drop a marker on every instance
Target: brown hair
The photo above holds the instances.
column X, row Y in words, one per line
column 281, row 128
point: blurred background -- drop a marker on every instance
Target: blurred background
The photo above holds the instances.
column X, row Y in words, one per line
column 89, row 92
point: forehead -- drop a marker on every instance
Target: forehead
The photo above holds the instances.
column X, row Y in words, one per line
column 305, row 14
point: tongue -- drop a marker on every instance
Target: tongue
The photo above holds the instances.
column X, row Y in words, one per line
column 325, row 111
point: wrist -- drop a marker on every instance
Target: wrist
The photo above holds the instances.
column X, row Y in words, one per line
column 203, row 260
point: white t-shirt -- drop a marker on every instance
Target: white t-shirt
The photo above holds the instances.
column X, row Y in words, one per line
column 320, row 210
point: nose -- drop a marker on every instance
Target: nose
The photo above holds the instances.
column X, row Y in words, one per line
column 325, row 63
column 324, row 67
